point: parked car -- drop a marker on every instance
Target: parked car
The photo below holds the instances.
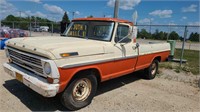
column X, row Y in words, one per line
column 37, row 29
column 8, row 33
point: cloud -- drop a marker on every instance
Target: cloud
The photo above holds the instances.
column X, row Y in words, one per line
column 124, row 4
column 29, row 13
column 145, row 20
column 162, row 13
column 77, row 13
column 36, row 1
column 172, row 24
column 191, row 8
column 6, row 8
column 108, row 16
column 194, row 23
column 40, row 14
column 184, row 17
column 52, row 17
column 53, row 9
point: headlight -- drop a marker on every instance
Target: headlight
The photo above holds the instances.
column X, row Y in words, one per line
column 47, row 68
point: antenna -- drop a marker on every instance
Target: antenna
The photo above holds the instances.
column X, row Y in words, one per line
column 134, row 17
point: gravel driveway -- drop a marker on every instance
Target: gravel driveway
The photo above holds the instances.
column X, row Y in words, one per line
column 127, row 93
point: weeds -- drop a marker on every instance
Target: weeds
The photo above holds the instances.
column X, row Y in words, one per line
column 192, row 64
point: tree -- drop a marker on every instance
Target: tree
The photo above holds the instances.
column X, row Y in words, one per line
column 91, row 16
column 159, row 35
column 144, row 34
column 194, row 37
column 156, row 35
column 24, row 22
column 174, row 36
column 65, row 18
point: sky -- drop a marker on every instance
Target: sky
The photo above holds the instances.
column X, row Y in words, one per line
column 177, row 12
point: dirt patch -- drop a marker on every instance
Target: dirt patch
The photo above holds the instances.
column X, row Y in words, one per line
column 188, row 78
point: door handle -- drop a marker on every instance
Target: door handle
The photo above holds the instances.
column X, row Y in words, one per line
column 137, row 45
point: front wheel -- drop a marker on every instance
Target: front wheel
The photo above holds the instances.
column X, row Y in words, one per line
column 151, row 71
column 80, row 92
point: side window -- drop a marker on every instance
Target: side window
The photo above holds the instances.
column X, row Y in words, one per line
column 122, row 31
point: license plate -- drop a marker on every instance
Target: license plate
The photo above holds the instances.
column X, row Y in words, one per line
column 19, row 77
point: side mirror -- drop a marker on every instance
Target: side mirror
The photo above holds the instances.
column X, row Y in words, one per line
column 133, row 32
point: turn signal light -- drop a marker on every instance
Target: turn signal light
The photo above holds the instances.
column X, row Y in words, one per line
column 65, row 55
column 50, row 80
column 69, row 54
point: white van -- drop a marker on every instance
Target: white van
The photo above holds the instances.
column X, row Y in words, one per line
column 44, row 28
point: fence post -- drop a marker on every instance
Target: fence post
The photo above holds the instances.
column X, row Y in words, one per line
column 30, row 29
column 51, row 29
column 13, row 25
column 183, row 45
column 189, row 45
column 169, row 32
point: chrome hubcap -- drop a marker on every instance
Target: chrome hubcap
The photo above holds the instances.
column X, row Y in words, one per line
column 153, row 69
column 82, row 89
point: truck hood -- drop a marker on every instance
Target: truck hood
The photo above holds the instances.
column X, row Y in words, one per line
column 51, row 47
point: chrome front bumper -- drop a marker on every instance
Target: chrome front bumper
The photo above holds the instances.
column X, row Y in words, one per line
column 35, row 82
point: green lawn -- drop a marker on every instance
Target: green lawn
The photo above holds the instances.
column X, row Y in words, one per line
column 192, row 64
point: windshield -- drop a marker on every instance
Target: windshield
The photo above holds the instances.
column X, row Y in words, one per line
column 91, row 30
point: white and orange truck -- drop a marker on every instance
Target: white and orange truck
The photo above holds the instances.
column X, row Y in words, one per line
column 90, row 51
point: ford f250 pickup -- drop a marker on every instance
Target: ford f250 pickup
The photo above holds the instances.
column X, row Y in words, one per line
column 90, row 51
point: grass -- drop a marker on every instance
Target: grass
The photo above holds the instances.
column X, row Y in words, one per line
column 192, row 65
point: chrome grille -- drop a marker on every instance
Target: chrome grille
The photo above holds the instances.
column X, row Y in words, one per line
column 26, row 60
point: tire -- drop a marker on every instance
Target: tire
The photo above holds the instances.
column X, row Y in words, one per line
column 80, row 92
column 152, row 70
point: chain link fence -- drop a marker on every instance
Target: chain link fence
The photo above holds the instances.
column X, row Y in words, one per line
column 145, row 32
column 189, row 33
column 34, row 29
column 155, row 32
column 186, row 36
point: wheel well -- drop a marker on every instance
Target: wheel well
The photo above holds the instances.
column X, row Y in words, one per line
column 158, row 58
column 92, row 71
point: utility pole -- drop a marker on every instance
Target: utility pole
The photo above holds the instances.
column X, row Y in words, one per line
column 20, row 17
column 116, row 9
column 35, row 21
column 20, row 14
column 150, row 25
column 73, row 15
column 0, row 22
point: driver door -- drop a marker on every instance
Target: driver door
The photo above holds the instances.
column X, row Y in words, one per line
column 124, row 50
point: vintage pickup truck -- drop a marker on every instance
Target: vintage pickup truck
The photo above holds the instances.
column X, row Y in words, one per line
column 90, row 51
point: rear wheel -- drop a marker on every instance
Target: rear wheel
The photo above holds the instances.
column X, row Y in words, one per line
column 80, row 92
column 151, row 71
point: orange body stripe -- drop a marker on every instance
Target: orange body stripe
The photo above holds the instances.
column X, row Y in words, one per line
column 144, row 61
column 112, row 69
